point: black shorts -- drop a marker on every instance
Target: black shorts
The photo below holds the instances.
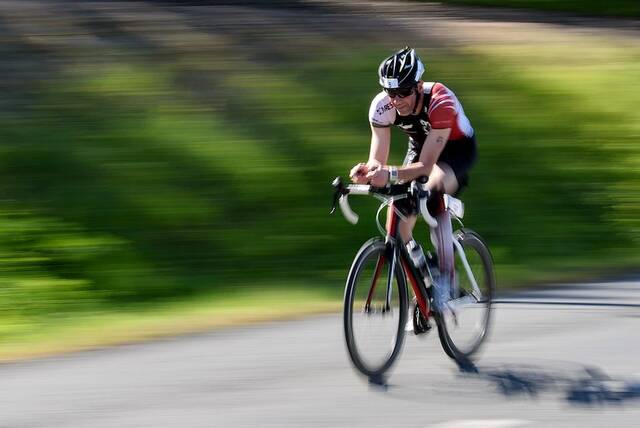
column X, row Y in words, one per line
column 459, row 155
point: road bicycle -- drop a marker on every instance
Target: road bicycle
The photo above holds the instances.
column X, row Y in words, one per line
column 375, row 314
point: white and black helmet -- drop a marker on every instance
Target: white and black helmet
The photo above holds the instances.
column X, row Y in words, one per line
column 402, row 69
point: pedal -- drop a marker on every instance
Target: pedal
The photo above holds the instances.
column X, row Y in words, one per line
column 421, row 325
column 421, row 328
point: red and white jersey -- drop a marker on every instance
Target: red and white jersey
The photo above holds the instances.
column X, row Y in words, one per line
column 441, row 109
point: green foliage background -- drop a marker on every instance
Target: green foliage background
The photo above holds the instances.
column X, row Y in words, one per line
column 155, row 170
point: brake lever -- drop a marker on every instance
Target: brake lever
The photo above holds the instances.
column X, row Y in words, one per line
column 336, row 195
column 340, row 190
column 418, row 190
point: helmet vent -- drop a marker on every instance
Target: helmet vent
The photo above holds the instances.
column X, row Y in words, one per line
column 403, row 68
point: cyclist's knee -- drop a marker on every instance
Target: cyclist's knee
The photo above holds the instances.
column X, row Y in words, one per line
column 443, row 179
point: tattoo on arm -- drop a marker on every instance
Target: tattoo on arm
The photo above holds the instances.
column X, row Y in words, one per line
column 440, row 140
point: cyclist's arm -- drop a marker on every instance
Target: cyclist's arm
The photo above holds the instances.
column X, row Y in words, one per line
column 378, row 155
column 381, row 117
column 442, row 115
column 380, row 143
column 433, row 146
column 431, row 149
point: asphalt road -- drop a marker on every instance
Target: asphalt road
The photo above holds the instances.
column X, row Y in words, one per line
column 564, row 356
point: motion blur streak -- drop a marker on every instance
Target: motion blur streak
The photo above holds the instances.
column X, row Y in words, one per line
column 165, row 168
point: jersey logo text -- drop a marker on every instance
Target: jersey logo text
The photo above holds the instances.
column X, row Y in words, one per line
column 382, row 109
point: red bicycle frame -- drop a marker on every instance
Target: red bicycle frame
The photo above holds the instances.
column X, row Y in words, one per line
column 392, row 238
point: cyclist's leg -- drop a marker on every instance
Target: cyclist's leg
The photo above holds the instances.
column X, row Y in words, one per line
column 443, row 179
column 450, row 176
column 406, row 228
column 408, row 211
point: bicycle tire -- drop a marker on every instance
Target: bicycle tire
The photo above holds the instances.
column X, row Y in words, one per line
column 470, row 240
column 373, row 249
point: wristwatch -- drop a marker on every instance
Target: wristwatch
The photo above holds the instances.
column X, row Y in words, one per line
column 393, row 175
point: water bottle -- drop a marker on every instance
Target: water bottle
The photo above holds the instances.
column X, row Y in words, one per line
column 418, row 259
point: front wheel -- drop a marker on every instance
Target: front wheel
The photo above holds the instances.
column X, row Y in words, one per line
column 375, row 309
column 463, row 328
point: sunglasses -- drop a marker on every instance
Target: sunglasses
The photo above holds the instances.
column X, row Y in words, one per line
column 400, row 92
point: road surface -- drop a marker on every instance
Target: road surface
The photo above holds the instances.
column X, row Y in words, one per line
column 563, row 356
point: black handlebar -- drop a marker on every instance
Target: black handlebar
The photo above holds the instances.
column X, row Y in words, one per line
column 408, row 189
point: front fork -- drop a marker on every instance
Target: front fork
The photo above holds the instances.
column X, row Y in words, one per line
column 391, row 254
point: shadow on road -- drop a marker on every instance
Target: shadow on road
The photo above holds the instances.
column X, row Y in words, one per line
column 571, row 382
column 581, row 385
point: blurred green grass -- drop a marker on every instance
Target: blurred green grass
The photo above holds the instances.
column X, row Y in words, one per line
column 127, row 185
column 111, row 326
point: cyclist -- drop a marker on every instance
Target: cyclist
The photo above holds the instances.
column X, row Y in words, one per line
column 442, row 147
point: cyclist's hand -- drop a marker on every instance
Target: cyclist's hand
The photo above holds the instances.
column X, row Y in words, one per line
column 378, row 177
column 358, row 174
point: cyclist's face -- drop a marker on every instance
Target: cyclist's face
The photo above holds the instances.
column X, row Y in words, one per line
column 403, row 101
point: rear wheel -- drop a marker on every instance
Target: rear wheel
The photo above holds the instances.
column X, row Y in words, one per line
column 463, row 328
column 375, row 309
